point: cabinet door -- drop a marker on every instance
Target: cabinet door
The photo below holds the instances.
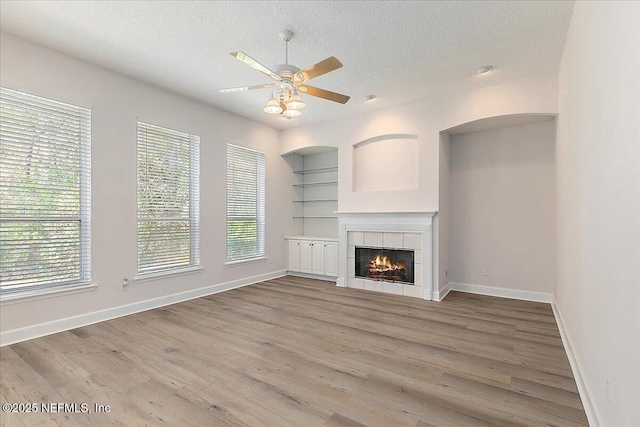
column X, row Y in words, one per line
column 317, row 260
column 294, row 255
column 331, row 259
column 305, row 256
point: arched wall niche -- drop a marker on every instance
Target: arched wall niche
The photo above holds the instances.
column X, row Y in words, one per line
column 443, row 221
column 386, row 163
column 499, row 121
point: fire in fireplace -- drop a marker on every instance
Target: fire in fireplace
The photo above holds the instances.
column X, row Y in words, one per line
column 391, row 265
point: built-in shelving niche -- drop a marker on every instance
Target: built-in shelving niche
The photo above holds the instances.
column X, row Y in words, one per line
column 315, row 191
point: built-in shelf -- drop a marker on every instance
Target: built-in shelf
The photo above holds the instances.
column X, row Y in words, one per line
column 316, row 184
column 315, row 193
column 319, row 170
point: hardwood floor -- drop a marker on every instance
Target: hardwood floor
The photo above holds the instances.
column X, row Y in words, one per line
column 302, row 352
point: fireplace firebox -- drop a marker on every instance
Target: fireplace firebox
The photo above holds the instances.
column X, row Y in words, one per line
column 390, row 265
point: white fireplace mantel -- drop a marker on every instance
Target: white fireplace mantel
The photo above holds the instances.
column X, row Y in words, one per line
column 414, row 222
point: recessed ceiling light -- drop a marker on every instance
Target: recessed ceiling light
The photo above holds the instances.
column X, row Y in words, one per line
column 484, row 69
column 369, row 98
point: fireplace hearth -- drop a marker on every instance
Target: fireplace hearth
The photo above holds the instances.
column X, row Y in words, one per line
column 382, row 264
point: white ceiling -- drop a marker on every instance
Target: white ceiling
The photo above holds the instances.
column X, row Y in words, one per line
column 400, row 51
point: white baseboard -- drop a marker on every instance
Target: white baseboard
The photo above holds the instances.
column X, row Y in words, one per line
column 312, row 276
column 588, row 402
column 29, row 332
column 501, row 292
column 439, row 296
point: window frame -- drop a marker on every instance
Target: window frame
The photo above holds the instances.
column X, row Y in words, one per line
column 43, row 108
column 194, row 206
column 260, row 216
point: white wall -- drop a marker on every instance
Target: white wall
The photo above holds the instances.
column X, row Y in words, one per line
column 116, row 102
column 425, row 119
column 502, row 207
column 387, row 164
column 598, row 202
column 444, row 214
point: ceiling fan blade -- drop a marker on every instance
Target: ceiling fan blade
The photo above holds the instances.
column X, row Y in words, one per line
column 243, row 88
column 325, row 94
column 322, row 67
column 241, row 56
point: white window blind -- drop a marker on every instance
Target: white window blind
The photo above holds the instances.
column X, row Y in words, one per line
column 44, row 193
column 168, row 199
column 245, row 203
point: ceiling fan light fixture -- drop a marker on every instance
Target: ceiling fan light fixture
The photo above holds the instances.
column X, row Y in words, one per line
column 272, row 107
column 295, row 102
column 290, row 113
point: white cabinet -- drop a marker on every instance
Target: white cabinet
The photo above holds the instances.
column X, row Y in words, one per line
column 331, row 259
column 294, row 255
column 317, row 257
column 305, row 256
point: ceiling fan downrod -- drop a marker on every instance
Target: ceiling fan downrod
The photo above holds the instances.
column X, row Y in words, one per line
column 286, row 35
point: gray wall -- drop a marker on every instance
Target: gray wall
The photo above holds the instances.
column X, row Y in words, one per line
column 502, row 207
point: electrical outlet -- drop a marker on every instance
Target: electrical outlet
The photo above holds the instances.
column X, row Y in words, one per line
column 485, row 271
column 125, row 284
column 608, row 390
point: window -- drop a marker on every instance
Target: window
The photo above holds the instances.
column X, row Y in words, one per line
column 44, row 193
column 245, row 203
column 168, row 199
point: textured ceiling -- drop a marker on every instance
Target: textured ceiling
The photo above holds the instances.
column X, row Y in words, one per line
column 399, row 51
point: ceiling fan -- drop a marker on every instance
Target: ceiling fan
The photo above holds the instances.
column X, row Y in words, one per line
column 290, row 81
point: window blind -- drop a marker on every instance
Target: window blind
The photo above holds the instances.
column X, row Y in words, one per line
column 168, row 199
column 245, row 203
column 45, row 164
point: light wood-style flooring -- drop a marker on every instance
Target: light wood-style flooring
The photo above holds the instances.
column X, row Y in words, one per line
column 302, row 352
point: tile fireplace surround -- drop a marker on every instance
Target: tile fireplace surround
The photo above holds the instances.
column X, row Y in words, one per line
column 388, row 230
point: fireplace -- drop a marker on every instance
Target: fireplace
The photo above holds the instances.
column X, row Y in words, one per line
column 382, row 264
column 409, row 231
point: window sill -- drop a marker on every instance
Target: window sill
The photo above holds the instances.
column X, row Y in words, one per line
column 54, row 291
column 244, row 261
column 168, row 273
